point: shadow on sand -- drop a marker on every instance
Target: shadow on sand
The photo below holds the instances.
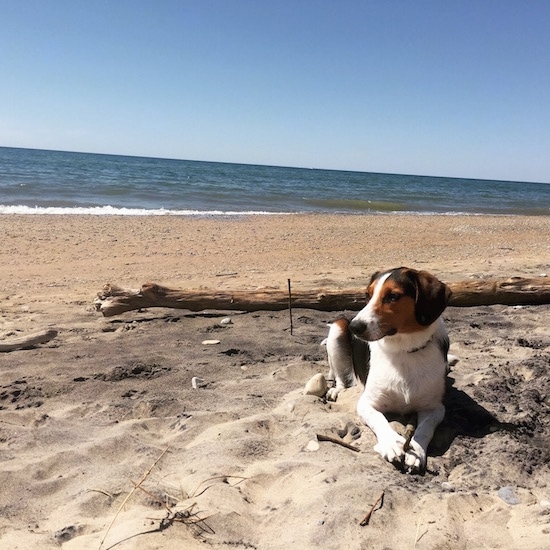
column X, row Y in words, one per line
column 463, row 417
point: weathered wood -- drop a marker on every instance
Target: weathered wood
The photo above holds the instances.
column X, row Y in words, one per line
column 516, row 291
column 28, row 341
column 114, row 300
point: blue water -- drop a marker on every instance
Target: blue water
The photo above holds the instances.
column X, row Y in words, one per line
column 36, row 181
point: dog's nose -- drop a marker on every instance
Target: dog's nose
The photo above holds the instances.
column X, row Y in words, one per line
column 357, row 326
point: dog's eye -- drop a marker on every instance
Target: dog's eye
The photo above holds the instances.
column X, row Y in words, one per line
column 392, row 297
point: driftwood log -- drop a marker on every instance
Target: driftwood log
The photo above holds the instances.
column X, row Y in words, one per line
column 28, row 341
column 113, row 300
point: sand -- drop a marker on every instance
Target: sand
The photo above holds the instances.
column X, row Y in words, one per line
column 87, row 415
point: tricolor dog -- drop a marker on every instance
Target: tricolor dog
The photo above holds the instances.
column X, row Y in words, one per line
column 406, row 372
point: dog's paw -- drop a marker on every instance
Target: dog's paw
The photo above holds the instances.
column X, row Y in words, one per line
column 332, row 393
column 391, row 448
column 414, row 461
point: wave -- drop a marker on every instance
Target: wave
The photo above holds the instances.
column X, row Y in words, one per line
column 115, row 211
column 376, row 208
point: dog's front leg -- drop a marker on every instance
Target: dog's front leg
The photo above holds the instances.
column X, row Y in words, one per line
column 389, row 443
column 416, row 455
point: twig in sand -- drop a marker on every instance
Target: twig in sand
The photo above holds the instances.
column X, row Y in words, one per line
column 409, row 432
column 290, row 306
column 321, row 437
column 187, row 516
column 224, row 478
column 154, row 497
column 366, row 519
column 136, row 486
column 102, row 492
column 416, row 537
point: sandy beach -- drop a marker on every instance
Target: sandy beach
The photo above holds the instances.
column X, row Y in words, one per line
column 86, row 416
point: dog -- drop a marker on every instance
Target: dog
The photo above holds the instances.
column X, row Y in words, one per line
column 405, row 367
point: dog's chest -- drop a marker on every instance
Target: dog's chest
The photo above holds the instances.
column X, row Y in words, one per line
column 405, row 382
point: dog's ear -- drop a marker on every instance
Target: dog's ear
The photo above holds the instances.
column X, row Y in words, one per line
column 374, row 276
column 432, row 297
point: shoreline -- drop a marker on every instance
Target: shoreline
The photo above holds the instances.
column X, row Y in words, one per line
column 108, row 210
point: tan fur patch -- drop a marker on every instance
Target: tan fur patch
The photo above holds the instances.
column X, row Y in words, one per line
column 395, row 314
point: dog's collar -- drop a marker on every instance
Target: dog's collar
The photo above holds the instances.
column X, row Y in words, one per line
column 414, row 350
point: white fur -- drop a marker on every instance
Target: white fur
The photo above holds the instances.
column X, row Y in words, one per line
column 407, row 374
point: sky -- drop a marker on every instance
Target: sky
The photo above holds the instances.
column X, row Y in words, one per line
column 425, row 87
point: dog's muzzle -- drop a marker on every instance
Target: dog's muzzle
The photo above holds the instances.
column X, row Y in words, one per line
column 369, row 331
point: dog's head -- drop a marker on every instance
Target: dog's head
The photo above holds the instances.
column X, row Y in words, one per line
column 400, row 301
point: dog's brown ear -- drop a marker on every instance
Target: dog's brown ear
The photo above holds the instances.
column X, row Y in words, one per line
column 432, row 297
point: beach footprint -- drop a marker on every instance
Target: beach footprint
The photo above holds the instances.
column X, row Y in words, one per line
column 350, row 432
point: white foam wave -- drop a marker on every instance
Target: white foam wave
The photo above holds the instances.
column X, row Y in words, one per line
column 114, row 211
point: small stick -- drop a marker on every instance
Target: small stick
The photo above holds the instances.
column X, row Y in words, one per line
column 366, row 519
column 194, row 493
column 321, row 437
column 136, row 487
column 100, row 491
column 409, row 432
column 416, row 537
column 290, row 306
column 154, row 497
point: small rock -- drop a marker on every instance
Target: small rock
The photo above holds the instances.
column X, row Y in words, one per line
column 446, row 486
column 508, row 495
column 313, row 445
column 210, row 342
column 317, row 385
column 226, row 321
column 197, row 382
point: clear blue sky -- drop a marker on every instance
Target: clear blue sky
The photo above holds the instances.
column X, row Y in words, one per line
column 417, row 87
